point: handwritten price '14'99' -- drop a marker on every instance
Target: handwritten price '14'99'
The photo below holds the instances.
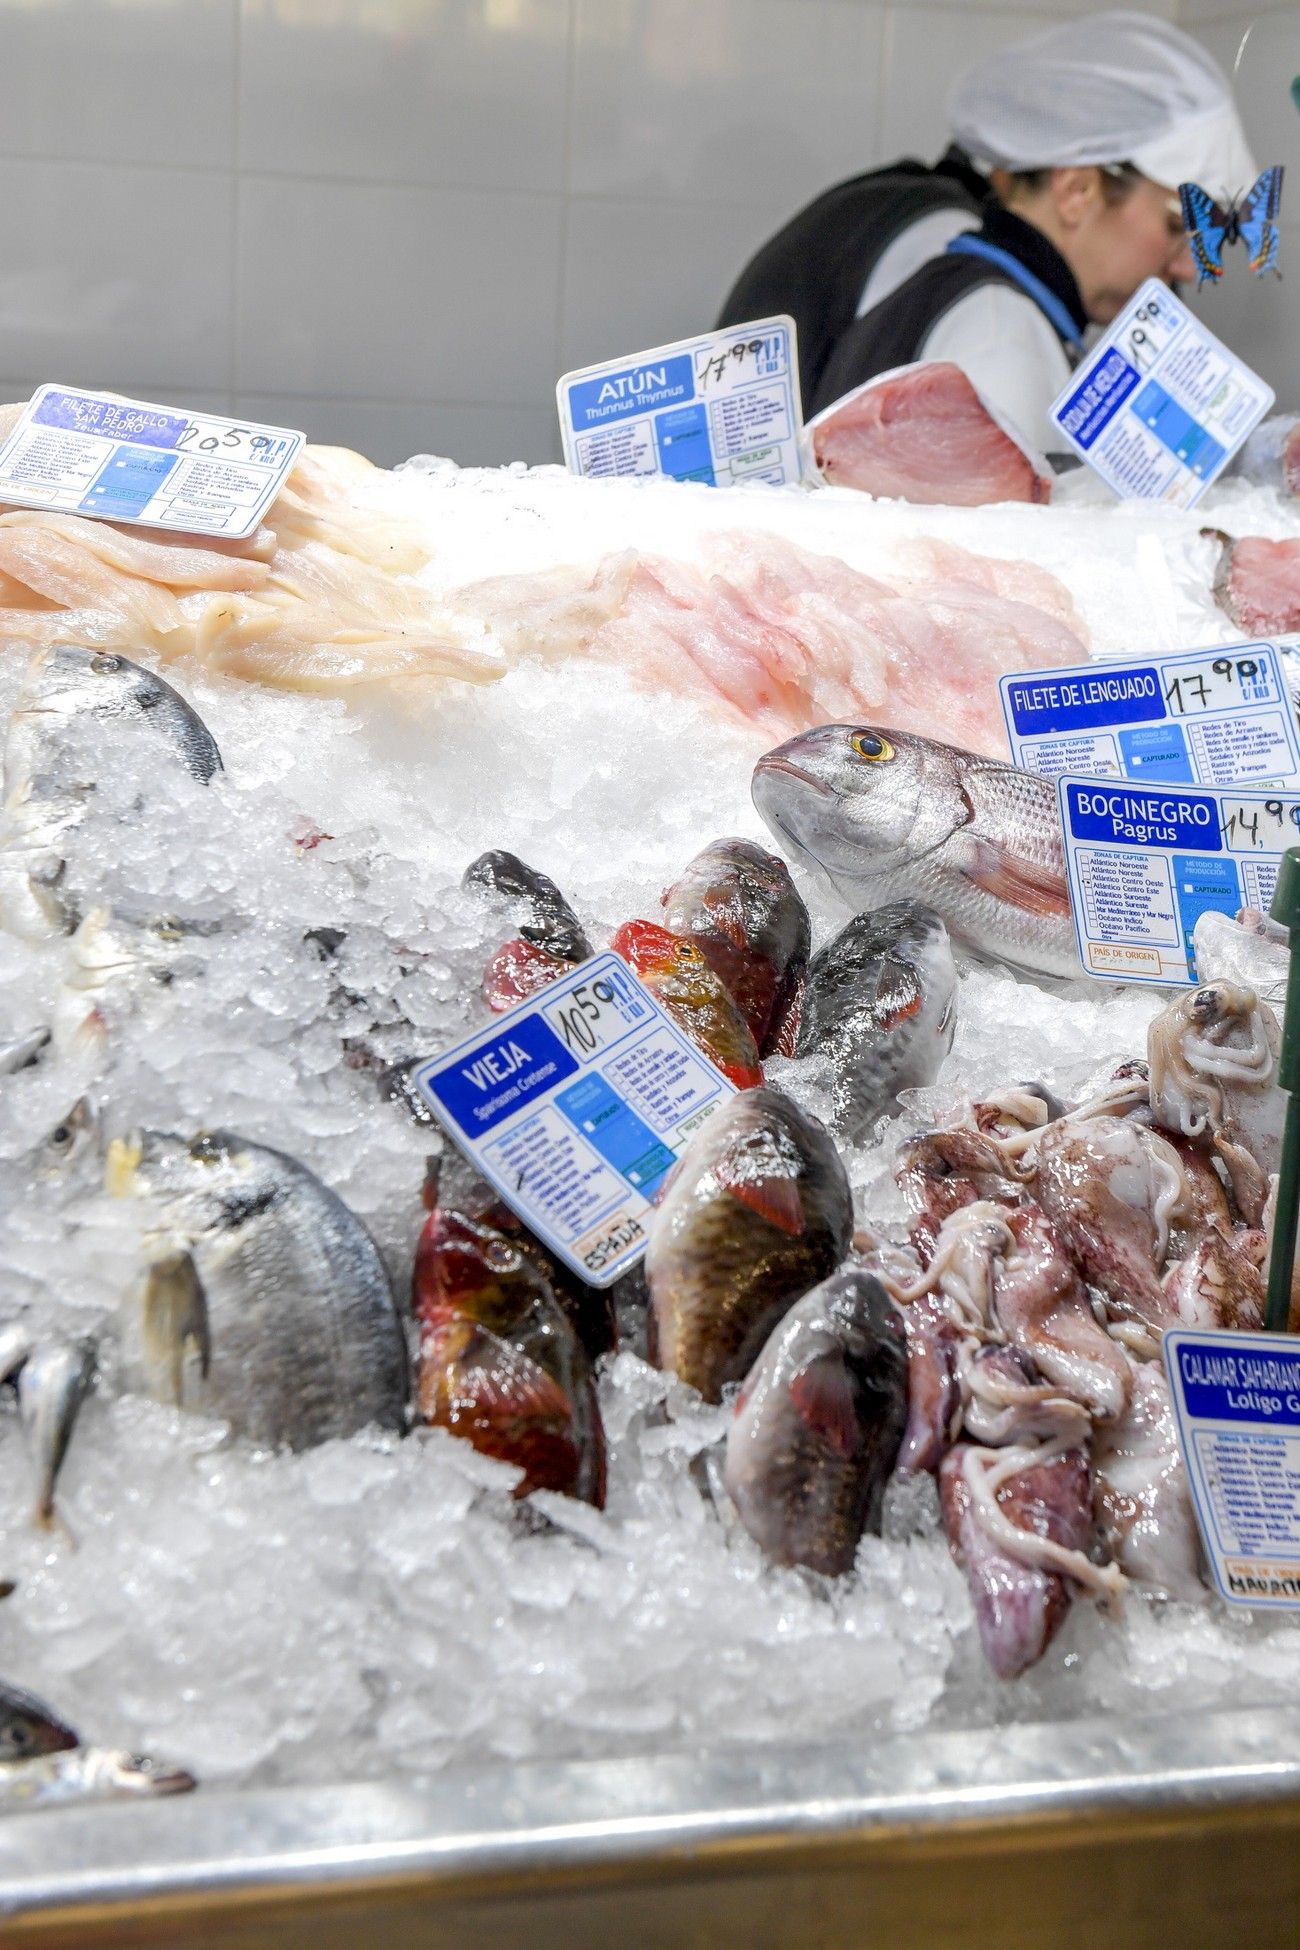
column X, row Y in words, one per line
column 1260, row 826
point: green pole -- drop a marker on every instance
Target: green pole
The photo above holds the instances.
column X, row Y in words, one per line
column 1285, row 908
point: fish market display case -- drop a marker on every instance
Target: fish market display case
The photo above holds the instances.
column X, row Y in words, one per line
column 1168, row 1831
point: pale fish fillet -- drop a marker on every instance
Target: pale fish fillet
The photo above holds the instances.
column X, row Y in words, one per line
column 927, row 559
column 784, row 639
column 321, row 598
column 177, row 564
column 293, row 646
column 340, row 498
column 73, row 575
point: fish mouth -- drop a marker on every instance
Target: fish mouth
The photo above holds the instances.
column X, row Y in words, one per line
column 774, row 764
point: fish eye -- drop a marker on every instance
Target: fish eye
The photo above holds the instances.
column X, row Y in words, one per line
column 104, row 665
column 687, row 951
column 205, row 1150
column 60, row 1138
column 868, row 744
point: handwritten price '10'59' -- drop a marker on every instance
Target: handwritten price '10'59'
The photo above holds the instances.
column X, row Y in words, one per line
column 1266, row 828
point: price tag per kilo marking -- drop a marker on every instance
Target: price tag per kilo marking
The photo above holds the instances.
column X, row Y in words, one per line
column 123, row 460
column 1159, row 407
column 1145, row 862
column 722, row 409
column 1216, row 717
column 1237, row 1406
column 576, row 1105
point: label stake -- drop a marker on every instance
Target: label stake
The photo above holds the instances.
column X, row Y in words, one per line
column 1285, row 908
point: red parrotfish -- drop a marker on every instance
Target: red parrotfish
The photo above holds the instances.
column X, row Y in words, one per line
column 742, row 910
column 682, row 982
column 499, row 1361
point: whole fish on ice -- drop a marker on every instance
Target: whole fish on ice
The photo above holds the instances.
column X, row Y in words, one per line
column 682, row 982
column 739, row 906
column 29, row 1728
column 880, row 1004
column 53, row 1382
column 50, row 767
column 756, row 1211
column 548, row 937
column 451, row 1185
column 885, row 815
column 87, row 1774
column 500, row 1363
column 818, row 1424
column 271, row 1307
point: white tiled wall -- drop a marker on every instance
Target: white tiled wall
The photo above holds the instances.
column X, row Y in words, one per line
column 1260, row 317
column 395, row 222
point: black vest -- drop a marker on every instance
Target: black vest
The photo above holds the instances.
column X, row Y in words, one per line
column 817, row 266
column 893, row 332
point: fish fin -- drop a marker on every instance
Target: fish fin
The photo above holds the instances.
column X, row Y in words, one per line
column 505, row 1381
column 823, row 1395
column 773, row 1195
column 519, row 968
column 175, row 1318
column 1021, row 883
column 783, row 1031
column 898, row 994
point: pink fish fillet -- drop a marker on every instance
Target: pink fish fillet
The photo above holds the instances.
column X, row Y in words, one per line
column 924, row 434
column 784, row 640
column 1258, row 583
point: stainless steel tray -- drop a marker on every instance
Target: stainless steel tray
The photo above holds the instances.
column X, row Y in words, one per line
column 1147, row 1831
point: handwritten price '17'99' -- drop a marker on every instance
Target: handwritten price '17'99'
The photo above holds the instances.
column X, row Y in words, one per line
column 1197, row 689
column 1266, row 826
column 765, row 353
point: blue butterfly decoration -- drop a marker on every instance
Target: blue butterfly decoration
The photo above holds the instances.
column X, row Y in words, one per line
column 1250, row 219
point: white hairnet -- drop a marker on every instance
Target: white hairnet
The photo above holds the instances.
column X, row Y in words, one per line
column 1106, row 88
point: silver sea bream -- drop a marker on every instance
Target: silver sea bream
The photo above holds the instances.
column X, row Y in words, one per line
column 885, row 815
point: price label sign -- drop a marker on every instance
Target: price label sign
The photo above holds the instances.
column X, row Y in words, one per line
column 576, row 1105
column 1145, row 862
column 1201, row 717
column 1160, row 405
column 722, row 409
column 122, row 460
column 1237, row 1403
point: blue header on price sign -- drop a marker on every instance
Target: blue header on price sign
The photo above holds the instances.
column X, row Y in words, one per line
column 576, row 1105
column 1161, row 405
column 721, row 409
column 1216, row 717
column 1237, row 1407
column 1144, row 863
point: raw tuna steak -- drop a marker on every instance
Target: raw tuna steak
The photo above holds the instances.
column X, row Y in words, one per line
column 923, row 433
column 1258, row 583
